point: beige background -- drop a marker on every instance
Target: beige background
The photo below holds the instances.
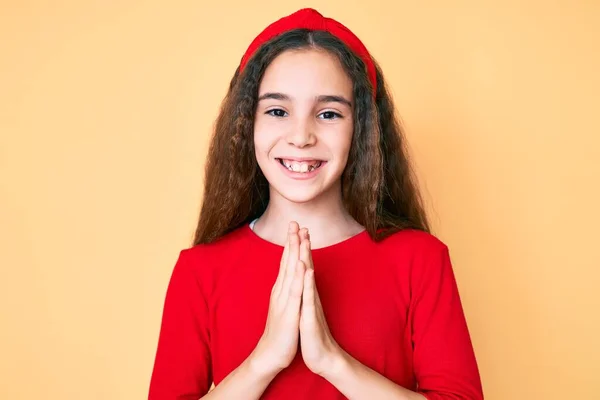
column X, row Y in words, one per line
column 105, row 112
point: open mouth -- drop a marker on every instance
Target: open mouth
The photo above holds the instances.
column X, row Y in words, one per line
column 304, row 166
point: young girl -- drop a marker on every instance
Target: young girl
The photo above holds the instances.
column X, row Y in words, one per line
column 313, row 274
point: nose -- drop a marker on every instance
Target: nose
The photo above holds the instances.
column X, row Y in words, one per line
column 302, row 134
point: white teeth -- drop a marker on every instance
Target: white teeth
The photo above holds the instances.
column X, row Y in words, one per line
column 301, row 167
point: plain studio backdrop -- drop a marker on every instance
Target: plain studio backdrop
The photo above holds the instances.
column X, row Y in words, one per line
column 106, row 108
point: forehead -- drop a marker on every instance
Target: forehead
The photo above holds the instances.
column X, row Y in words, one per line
column 306, row 73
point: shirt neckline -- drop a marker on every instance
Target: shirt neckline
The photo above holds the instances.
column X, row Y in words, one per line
column 349, row 242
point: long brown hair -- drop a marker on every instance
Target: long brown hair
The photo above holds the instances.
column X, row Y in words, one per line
column 378, row 186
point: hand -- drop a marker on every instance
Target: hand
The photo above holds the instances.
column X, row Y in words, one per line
column 278, row 345
column 319, row 348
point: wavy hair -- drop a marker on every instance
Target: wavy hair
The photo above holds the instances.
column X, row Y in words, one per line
column 378, row 187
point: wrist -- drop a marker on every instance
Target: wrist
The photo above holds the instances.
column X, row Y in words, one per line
column 260, row 367
column 339, row 364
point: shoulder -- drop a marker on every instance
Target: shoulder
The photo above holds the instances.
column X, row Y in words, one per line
column 417, row 254
column 413, row 241
column 203, row 256
column 236, row 238
column 199, row 265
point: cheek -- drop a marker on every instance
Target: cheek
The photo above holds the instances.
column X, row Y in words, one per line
column 341, row 145
column 264, row 139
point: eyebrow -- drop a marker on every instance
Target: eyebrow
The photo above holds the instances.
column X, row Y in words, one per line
column 320, row 99
column 274, row 96
column 334, row 99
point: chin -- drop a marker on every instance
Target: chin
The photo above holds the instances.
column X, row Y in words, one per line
column 303, row 192
column 298, row 195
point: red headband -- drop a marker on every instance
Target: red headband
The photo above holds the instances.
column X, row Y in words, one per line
column 308, row 18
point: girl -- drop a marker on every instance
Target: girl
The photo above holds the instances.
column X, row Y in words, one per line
column 313, row 274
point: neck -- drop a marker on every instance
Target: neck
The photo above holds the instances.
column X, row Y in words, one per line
column 325, row 217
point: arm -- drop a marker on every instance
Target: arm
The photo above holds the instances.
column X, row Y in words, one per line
column 278, row 345
column 182, row 368
column 324, row 356
column 357, row 381
column 444, row 359
column 248, row 381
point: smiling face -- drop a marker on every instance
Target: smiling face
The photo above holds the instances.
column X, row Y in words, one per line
column 303, row 124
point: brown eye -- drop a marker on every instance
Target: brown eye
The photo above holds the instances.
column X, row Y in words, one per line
column 329, row 115
column 277, row 112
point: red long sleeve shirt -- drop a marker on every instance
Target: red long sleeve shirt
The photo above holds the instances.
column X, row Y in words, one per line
column 393, row 305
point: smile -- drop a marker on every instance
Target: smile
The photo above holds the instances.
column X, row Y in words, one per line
column 300, row 166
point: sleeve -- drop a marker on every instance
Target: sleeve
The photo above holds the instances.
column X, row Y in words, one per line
column 182, row 367
column 444, row 359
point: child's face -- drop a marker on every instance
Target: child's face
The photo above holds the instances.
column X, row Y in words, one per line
column 304, row 123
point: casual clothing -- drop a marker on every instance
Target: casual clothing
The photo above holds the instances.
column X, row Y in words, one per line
column 392, row 305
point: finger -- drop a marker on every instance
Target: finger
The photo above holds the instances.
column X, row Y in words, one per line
column 303, row 234
column 308, row 295
column 320, row 314
column 294, row 249
column 282, row 265
column 309, row 257
column 305, row 255
column 293, row 256
column 295, row 294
